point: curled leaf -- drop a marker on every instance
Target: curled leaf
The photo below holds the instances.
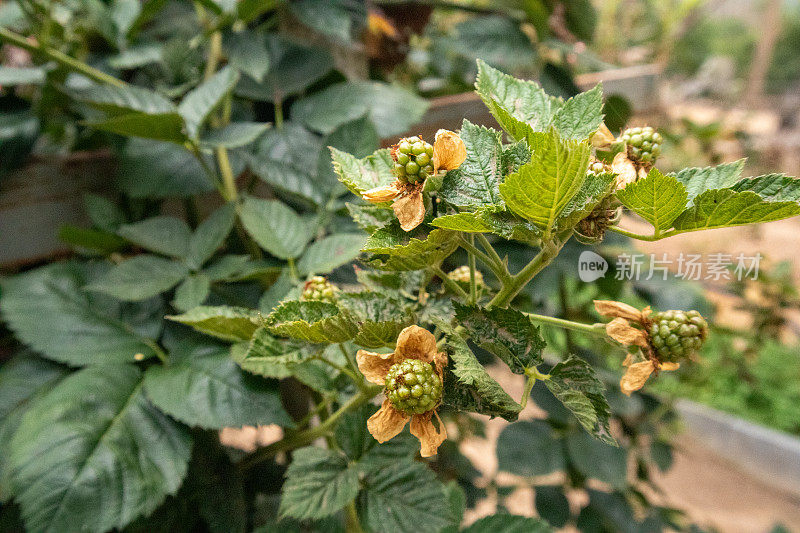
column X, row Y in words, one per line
column 374, row 366
column 430, row 437
column 618, row 309
column 602, row 138
column 386, row 423
column 380, row 195
column 448, row 151
column 410, row 210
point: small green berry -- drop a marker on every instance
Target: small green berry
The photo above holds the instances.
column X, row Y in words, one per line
column 413, row 387
column 319, row 288
column 677, row 334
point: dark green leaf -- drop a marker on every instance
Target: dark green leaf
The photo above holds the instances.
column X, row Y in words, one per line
column 598, row 460
column 475, row 182
column 395, row 249
column 165, row 235
column 772, row 187
column 162, row 127
column 380, row 319
column 47, row 309
column 369, row 217
column 210, row 235
column 275, row 227
column 331, row 252
column 140, row 278
column 318, row 483
column 151, row 169
column 552, row 505
column 529, row 448
column 95, row 452
column 203, row 387
column 360, row 175
column 508, row 523
column 494, row 38
column 123, row 100
column 468, row 387
column 247, row 52
column 103, row 213
column 227, row 323
column 333, row 18
column 234, row 135
column 192, row 292
column 574, row 383
column 200, row 102
column 98, row 241
column 507, row 333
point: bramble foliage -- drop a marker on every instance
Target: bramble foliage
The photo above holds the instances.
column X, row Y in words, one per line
column 111, row 423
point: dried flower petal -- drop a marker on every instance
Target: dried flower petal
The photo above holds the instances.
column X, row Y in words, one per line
column 415, row 342
column 624, row 169
column 669, row 366
column 636, row 376
column 386, row 423
column 621, row 330
column 602, row 138
column 617, row 309
column 374, row 366
column 410, row 210
column 448, row 151
column 380, row 195
column 430, row 438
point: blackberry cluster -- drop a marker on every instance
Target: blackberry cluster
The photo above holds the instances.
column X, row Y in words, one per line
column 413, row 159
column 319, row 288
column 644, row 144
column 461, row 275
column 413, row 387
column 676, row 335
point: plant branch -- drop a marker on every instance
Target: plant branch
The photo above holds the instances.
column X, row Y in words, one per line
column 498, row 269
column 493, row 255
column 303, row 438
column 61, row 58
column 473, row 286
column 449, row 283
column 512, row 287
column 593, row 329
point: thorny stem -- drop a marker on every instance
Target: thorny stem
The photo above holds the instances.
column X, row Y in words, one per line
column 302, row 438
column 449, row 283
column 60, row 57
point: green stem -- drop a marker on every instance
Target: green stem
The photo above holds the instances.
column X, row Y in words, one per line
column 353, row 524
column 512, row 287
column 529, row 382
column 449, row 283
column 592, row 329
column 60, row 57
column 278, row 102
column 493, row 254
column 346, row 371
column 293, row 269
column 303, row 438
column 637, row 236
column 228, row 179
column 473, row 286
column 498, row 269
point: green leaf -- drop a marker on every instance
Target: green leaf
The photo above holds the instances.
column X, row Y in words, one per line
column 507, row 333
column 151, row 169
column 494, row 38
column 508, row 523
column 519, row 106
column 99, row 241
column 125, row 100
column 234, row 135
column 772, row 187
column 288, row 160
column 331, row 252
column 541, row 189
column 552, row 505
column 275, row 227
column 475, row 182
column 468, row 387
column 227, row 323
column 722, row 208
column 200, row 102
column 581, row 115
column 137, row 56
column 23, row 379
column 12, row 76
column 380, row 319
column 271, row 357
column 489, row 219
column 140, row 278
column 468, row 222
column 529, row 448
column 403, row 495
column 593, row 191
column 598, row 460
column 161, row 127
column 395, row 249
column 203, row 386
column 369, row 217
column 95, row 452
column 247, row 52
column 574, row 383
column 360, row 175
column 293, row 68
column 47, row 309
column 103, row 213
column 318, row 483
column 210, row 235
column 192, row 292
column 698, row 180
column 392, row 109
column 357, row 137
column 514, row 156
column 657, row 198
column 165, row 235
column 312, row 321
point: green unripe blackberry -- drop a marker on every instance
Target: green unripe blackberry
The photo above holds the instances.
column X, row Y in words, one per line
column 413, row 387
column 596, row 167
column 644, row 144
column 676, row 335
column 413, row 158
column 319, row 288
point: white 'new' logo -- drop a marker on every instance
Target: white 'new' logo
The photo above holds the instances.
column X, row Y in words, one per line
column 591, row 266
